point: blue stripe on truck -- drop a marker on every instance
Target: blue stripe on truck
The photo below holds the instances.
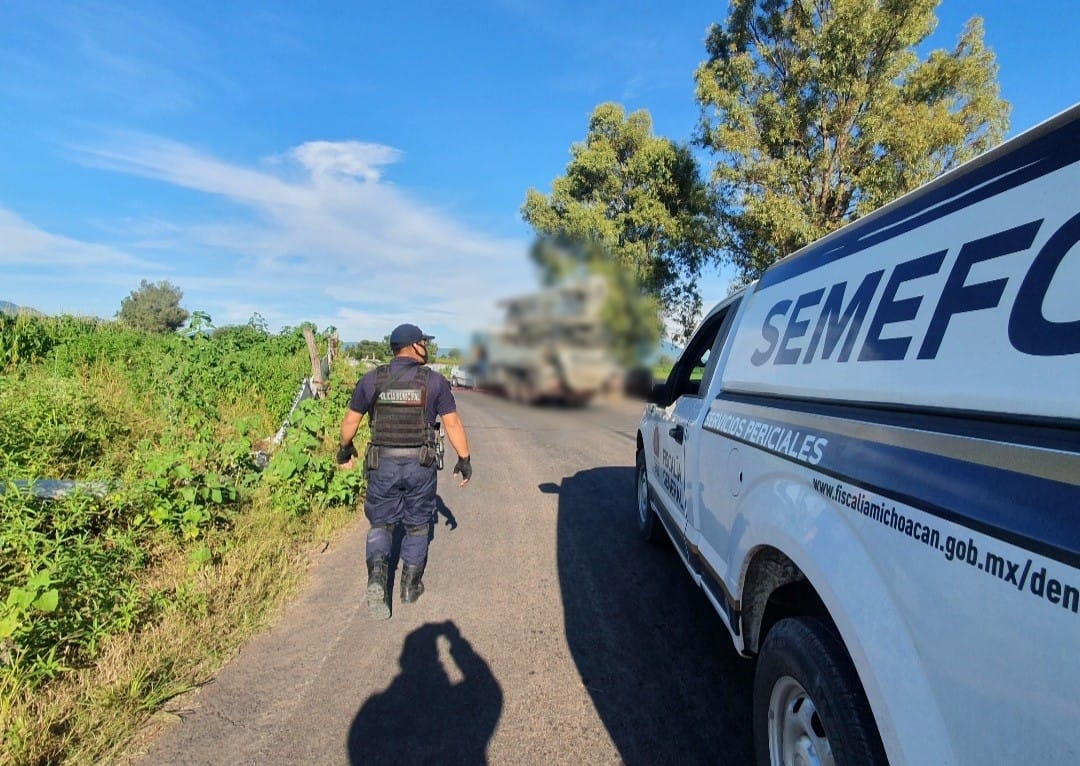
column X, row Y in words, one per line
column 1032, row 512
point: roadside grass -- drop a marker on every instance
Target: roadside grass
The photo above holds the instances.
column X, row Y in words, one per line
column 110, row 606
column 207, row 613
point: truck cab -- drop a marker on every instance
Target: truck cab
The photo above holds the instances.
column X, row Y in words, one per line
column 869, row 461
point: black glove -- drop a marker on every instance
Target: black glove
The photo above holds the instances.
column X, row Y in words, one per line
column 345, row 453
column 464, row 467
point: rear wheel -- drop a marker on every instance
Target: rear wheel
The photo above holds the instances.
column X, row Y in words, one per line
column 518, row 389
column 809, row 707
column 647, row 523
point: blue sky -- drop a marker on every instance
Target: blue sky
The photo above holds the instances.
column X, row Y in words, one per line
column 351, row 164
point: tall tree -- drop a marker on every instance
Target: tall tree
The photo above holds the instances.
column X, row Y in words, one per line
column 154, row 307
column 820, row 111
column 643, row 198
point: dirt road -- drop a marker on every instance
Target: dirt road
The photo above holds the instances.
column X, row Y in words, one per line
column 548, row 634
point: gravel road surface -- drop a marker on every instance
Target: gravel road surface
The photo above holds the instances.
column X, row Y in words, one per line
column 548, row 633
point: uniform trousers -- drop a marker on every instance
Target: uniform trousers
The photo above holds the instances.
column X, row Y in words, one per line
column 401, row 491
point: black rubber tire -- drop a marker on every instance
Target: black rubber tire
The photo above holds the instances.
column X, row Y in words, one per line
column 648, row 525
column 809, row 651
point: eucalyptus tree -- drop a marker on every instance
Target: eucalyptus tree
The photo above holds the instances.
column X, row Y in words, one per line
column 819, row 111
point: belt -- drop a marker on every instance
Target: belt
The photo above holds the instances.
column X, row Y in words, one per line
column 398, row 451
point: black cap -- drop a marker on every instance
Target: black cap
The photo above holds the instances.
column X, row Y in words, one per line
column 407, row 334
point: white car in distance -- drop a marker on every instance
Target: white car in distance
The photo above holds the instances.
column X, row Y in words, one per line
column 462, row 377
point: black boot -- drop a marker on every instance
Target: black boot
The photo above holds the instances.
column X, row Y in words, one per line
column 378, row 596
column 411, row 586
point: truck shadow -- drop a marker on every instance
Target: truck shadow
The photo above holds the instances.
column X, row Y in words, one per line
column 425, row 716
column 654, row 656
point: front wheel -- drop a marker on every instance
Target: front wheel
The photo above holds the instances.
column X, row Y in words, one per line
column 809, row 707
column 647, row 523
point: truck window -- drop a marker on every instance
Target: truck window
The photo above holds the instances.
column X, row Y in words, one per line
column 694, row 371
column 698, row 372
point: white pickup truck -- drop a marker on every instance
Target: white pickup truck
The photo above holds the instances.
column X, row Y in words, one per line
column 870, row 462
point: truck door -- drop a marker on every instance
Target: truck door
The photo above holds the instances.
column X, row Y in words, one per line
column 683, row 402
column 704, row 472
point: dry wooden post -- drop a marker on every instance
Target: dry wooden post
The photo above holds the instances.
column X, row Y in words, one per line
column 318, row 385
column 335, row 346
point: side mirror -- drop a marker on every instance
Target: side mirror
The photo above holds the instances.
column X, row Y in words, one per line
column 638, row 383
column 658, row 395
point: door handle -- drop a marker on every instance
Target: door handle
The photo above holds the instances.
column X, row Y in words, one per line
column 677, row 433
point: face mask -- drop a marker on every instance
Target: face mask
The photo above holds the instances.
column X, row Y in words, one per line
column 423, row 352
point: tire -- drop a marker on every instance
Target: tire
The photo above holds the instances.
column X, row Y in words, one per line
column 648, row 524
column 809, row 707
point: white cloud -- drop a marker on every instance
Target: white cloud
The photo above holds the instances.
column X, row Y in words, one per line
column 317, row 232
column 58, row 274
column 349, row 158
column 23, row 244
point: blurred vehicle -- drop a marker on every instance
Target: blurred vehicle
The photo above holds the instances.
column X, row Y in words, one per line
column 462, row 377
column 552, row 345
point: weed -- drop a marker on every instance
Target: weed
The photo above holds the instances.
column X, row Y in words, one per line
column 111, row 605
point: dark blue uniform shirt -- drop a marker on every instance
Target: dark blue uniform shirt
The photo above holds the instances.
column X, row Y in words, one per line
column 440, row 399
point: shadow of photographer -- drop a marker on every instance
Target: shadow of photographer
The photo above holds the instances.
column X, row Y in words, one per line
column 431, row 712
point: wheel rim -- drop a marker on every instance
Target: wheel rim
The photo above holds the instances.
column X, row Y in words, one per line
column 796, row 733
column 642, row 496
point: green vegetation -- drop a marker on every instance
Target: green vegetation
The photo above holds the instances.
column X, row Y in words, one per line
column 154, row 307
column 641, row 198
column 371, row 350
column 661, row 371
column 379, row 350
column 111, row 605
column 816, row 113
column 819, row 113
column 662, row 368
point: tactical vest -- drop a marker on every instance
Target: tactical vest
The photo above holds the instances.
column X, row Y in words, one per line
column 399, row 415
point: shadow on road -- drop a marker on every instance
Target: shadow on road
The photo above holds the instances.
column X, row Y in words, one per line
column 657, row 661
column 441, row 511
column 430, row 714
column 445, row 513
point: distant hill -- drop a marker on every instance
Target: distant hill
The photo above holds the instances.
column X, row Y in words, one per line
column 8, row 307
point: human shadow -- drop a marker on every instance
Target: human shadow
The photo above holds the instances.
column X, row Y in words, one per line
column 398, row 535
column 654, row 656
column 442, row 510
column 424, row 716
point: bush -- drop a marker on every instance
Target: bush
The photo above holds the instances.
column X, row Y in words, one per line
column 169, row 424
column 154, row 307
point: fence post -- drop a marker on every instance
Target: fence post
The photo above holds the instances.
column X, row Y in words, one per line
column 318, row 384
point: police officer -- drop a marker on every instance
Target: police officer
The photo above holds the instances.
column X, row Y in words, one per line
column 403, row 399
